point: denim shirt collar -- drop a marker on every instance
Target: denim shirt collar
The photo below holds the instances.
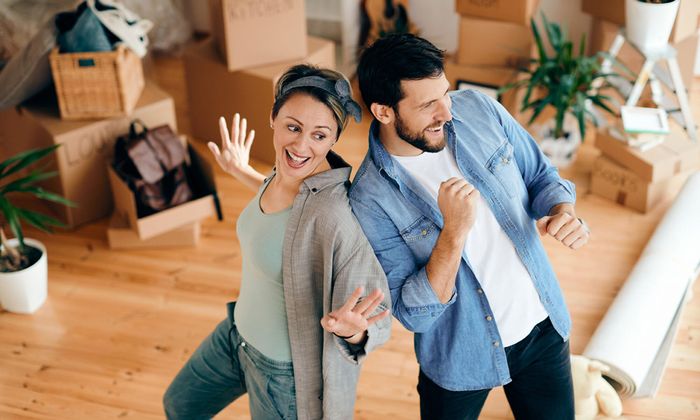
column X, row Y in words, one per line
column 381, row 157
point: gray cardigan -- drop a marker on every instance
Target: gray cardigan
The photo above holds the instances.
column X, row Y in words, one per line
column 325, row 258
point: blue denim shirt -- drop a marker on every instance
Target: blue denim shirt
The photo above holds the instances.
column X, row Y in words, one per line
column 456, row 345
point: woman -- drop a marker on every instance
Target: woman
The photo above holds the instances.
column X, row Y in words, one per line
column 304, row 255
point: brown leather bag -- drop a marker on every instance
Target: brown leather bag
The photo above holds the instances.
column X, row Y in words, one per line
column 154, row 164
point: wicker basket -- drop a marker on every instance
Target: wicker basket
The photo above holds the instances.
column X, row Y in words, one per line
column 97, row 84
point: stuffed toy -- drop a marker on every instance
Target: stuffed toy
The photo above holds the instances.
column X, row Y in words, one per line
column 593, row 395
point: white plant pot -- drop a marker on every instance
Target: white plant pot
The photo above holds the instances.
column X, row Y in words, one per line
column 25, row 291
column 649, row 25
column 560, row 151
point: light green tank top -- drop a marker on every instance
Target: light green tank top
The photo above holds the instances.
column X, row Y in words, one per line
column 260, row 312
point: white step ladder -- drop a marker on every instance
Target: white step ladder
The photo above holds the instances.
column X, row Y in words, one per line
column 653, row 73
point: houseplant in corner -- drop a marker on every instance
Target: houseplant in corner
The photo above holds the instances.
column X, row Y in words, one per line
column 23, row 267
column 566, row 82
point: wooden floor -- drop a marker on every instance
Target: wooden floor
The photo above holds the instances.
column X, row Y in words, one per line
column 117, row 326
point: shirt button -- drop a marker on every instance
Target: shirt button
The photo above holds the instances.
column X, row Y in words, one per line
column 423, row 232
column 496, row 344
column 243, row 344
column 479, row 291
column 488, row 317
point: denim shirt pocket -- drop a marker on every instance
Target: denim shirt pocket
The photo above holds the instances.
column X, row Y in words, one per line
column 503, row 167
column 420, row 236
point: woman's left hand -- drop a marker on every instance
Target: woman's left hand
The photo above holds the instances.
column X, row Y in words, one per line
column 353, row 318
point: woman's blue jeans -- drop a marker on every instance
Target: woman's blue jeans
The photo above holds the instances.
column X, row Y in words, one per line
column 223, row 368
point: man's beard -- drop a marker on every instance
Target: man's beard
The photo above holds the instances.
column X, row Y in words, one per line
column 416, row 140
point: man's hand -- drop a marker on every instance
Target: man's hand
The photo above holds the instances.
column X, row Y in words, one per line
column 564, row 226
column 457, row 200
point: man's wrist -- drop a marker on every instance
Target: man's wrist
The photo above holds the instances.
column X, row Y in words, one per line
column 452, row 238
column 567, row 208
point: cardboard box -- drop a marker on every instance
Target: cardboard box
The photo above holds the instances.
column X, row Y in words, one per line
column 86, row 148
column 487, row 76
column 617, row 183
column 603, row 34
column 121, row 236
column 676, row 154
column 213, row 91
column 687, row 20
column 609, row 10
column 204, row 203
column 491, row 43
column 516, row 11
column 253, row 33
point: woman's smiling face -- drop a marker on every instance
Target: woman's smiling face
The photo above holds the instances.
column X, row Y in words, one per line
column 304, row 131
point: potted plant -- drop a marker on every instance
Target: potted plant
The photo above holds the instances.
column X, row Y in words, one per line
column 568, row 83
column 649, row 22
column 23, row 268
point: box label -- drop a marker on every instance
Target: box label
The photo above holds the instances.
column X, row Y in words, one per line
column 485, row 3
column 257, row 9
column 621, row 180
column 90, row 143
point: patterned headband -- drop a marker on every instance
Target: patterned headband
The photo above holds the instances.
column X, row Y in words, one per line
column 340, row 89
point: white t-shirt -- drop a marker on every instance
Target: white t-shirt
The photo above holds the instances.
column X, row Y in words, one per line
column 506, row 282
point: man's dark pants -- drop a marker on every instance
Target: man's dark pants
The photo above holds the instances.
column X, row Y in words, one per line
column 541, row 386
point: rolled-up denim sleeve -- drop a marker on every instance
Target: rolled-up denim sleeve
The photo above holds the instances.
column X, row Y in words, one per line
column 414, row 302
column 544, row 185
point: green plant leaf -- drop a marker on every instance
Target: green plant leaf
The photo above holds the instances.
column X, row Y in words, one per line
column 26, row 185
column 564, row 81
column 553, row 33
column 24, row 159
column 20, row 184
column 597, row 100
column 538, row 41
column 540, row 105
column 13, row 220
column 39, row 220
column 49, row 196
column 591, row 117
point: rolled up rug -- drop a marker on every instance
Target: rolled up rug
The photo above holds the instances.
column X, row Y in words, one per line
column 635, row 336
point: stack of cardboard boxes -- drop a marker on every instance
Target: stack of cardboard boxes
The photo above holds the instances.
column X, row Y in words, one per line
column 631, row 177
column 638, row 179
column 254, row 44
column 83, row 162
column 495, row 40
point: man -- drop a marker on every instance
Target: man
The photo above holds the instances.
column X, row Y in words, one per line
column 448, row 196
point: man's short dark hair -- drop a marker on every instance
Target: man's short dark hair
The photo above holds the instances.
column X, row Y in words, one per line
column 390, row 60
